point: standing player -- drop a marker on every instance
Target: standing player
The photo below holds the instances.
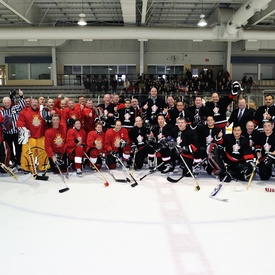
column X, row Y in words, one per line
column 31, row 132
column 55, row 144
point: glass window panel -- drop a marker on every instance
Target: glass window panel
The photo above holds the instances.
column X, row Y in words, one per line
column 161, row 69
column 132, row 70
column 152, row 69
column 99, row 70
column 169, row 69
column 68, row 69
column 40, row 71
column 18, row 71
column 86, row 70
column 179, row 70
column 76, row 69
column 113, row 70
column 122, row 69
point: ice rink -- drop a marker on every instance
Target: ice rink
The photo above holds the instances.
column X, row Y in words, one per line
column 156, row 228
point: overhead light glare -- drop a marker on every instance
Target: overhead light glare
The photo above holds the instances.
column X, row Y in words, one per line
column 82, row 21
column 202, row 22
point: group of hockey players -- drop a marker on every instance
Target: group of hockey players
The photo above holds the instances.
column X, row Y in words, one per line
column 61, row 133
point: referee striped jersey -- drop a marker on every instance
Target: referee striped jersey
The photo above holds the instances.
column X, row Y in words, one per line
column 11, row 116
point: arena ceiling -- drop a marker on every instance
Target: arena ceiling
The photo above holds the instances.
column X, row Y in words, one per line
column 162, row 13
column 177, row 14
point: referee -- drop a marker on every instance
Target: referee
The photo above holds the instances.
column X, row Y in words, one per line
column 10, row 113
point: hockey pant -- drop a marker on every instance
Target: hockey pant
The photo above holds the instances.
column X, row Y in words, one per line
column 76, row 155
column 141, row 155
column 214, row 159
column 95, row 157
column 37, row 146
column 164, row 155
column 124, row 152
column 241, row 171
column 4, row 155
column 12, row 140
column 62, row 160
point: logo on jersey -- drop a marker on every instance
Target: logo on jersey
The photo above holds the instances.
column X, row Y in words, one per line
column 36, row 121
column 98, row 144
column 117, row 142
column 58, row 140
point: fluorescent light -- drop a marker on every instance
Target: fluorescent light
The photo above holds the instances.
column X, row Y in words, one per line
column 32, row 40
column 87, row 39
column 202, row 22
column 82, row 21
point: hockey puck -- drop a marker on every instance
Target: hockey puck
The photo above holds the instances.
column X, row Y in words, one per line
column 198, row 188
column 269, row 189
column 106, row 184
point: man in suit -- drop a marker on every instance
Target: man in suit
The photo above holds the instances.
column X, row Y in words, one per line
column 241, row 115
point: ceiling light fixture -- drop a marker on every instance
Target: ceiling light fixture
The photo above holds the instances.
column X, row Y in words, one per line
column 202, row 22
column 82, row 21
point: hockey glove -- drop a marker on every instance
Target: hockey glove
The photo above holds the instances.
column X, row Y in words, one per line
column 123, row 143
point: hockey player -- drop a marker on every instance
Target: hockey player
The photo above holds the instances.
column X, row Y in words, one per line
column 55, row 140
column 209, row 139
column 199, row 113
column 152, row 106
column 95, row 145
column 265, row 149
column 31, row 128
column 117, row 142
column 219, row 105
column 48, row 111
column 157, row 142
column 252, row 135
column 127, row 115
column 187, row 143
column 139, row 137
column 265, row 112
column 75, row 145
column 108, row 112
column 71, row 113
column 238, row 154
column 89, row 115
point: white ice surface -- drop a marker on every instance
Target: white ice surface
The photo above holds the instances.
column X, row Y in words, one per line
column 156, row 228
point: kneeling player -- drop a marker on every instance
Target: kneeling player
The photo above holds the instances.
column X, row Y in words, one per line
column 117, row 143
column 238, row 154
column 76, row 142
column 95, row 142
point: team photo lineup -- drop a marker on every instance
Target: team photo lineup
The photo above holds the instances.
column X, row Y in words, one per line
column 156, row 134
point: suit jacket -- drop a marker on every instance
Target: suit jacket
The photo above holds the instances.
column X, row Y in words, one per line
column 247, row 115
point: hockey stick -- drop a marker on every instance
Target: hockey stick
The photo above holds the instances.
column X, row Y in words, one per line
column 134, row 161
column 197, row 188
column 252, row 174
column 63, row 179
column 112, row 174
column 217, row 190
column 106, row 183
column 126, row 170
column 152, row 171
column 33, row 168
column 14, row 176
column 9, row 171
column 177, row 180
